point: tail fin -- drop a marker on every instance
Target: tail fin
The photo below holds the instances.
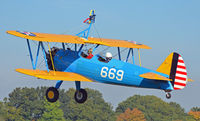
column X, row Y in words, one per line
column 174, row 66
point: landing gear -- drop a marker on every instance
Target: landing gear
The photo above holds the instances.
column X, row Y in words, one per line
column 52, row 94
column 80, row 96
column 168, row 95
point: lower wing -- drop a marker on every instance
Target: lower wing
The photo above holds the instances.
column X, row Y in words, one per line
column 54, row 75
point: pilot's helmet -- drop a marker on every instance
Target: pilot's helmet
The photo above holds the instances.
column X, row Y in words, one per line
column 108, row 56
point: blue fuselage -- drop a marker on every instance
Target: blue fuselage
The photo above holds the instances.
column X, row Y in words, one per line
column 114, row 72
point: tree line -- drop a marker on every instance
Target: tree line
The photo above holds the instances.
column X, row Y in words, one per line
column 30, row 104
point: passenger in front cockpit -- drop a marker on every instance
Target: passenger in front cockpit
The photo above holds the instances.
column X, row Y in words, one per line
column 107, row 59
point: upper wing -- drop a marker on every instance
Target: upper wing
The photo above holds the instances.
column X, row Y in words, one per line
column 116, row 43
column 154, row 76
column 44, row 37
column 54, row 75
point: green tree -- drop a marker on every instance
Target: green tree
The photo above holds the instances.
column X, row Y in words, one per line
column 154, row 108
column 28, row 101
column 13, row 114
column 195, row 109
column 2, row 112
column 94, row 109
column 52, row 112
column 29, row 104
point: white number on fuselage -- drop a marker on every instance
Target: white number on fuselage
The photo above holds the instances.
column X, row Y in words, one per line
column 112, row 73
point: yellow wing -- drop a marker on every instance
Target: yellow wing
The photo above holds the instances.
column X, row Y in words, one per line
column 44, row 37
column 154, row 76
column 115, row 43
column 54, row 75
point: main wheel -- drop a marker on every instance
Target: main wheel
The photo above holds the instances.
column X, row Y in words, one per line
column 80, row 96
column 52, row 94
column 168, row 95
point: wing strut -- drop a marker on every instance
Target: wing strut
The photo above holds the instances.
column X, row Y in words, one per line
column 119, row 53
column 128, row 54
column 31, row 56
column 139, row 56
column 34, row 64
column 133, row 56
column 63, row 45
column 51, row 57
column 45, row 59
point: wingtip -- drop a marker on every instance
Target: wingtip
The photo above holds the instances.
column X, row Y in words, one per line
column 146, row 47
column 149, row 47
column 10, row 31
column 18, row 70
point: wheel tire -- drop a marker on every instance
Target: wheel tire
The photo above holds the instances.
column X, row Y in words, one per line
column 168, row 95
column 80, row 96
column 52, row 94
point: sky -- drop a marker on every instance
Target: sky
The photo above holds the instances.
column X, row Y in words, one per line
column 165, row 25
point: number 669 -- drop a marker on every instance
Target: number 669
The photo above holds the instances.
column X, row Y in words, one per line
column 112, row 73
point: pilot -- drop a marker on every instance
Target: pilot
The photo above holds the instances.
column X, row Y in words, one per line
column 90, row 55
column 108, row 57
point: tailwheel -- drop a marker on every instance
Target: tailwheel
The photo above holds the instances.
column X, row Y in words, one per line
column 80, row 96
column 52, row 94
column 168, row 95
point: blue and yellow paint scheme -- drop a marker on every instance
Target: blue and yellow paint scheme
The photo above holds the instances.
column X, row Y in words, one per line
column 114, row 72
column 70, row 65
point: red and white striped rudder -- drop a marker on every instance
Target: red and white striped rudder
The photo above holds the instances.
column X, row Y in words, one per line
column 180, row 74
column 174, row 66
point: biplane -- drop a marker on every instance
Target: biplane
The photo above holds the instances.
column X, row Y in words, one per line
column 67, row 64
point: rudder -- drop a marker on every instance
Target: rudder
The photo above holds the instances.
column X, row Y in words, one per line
column 174, row 66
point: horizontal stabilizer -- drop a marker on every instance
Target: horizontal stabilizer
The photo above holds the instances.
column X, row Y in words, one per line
column 190, row 80
column 154, row 76
column 54, row 75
